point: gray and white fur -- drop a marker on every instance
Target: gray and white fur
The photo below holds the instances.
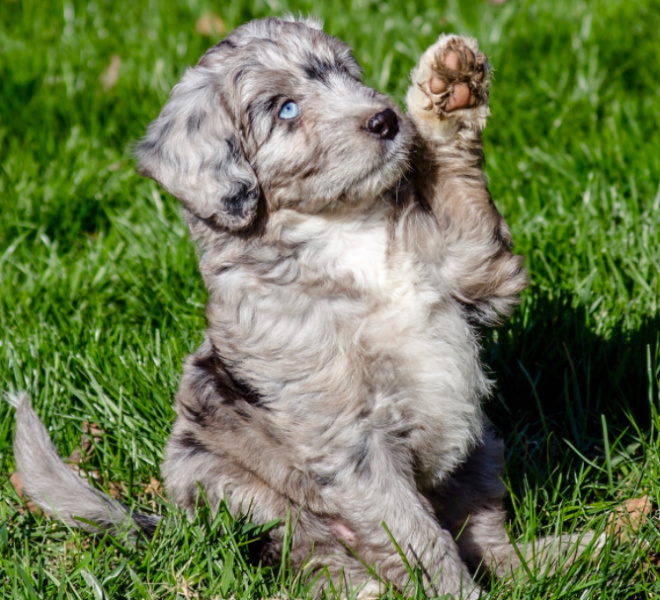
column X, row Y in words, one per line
column 351, row 255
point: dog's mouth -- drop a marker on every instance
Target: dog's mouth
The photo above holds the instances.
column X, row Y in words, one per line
column 370, row 184
column 393, row 161
column 395, row 137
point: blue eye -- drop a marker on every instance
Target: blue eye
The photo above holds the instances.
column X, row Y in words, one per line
column 289, row 110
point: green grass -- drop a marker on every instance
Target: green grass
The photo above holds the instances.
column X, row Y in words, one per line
column 100, row 299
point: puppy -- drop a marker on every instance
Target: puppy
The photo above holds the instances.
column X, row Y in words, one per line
column 351, row 254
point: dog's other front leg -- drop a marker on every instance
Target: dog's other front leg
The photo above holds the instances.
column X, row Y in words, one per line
column 383, row 509
column 469, row 504
column 448, row 102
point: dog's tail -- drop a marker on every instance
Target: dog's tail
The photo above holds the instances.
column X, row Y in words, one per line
column 58, row 490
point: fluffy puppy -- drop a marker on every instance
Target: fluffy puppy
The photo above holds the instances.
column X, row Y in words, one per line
column 351, row 253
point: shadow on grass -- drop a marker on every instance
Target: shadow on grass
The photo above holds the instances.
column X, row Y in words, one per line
column 560, row 384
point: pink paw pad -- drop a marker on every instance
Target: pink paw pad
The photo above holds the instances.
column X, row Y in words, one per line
column 458, row 77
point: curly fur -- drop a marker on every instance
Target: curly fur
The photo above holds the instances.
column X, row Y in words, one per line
column 351, row 255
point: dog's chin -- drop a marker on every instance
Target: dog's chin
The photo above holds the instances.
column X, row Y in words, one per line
column 365, row 190
column 371, row 184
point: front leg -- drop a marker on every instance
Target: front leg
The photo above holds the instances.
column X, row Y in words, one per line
column 383, row 491
column 217, row 415
column 448, row 102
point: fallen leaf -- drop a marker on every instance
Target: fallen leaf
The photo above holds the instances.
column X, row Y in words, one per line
column 210, row 25
column 75, row 458
column 654, row 558
column 114, row 490
column 17, row 483
column 93, row 429
column 93, row 474
column 110, row 76
column 629, row 518
column 84, row 452
column 154, row 487
column 18, row 486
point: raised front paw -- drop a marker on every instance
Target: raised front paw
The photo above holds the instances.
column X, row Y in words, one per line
column 451, row 83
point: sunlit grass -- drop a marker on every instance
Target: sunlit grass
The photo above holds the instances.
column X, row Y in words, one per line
column 100, row 299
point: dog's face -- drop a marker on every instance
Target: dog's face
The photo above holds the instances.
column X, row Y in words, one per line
column 277, row 110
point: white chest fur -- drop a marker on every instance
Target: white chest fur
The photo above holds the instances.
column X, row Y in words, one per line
column 346, row 331
column 411, row 340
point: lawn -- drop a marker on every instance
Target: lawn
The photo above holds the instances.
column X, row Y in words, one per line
column 100, row 298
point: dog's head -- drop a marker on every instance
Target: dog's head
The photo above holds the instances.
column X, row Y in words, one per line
column 276, row 110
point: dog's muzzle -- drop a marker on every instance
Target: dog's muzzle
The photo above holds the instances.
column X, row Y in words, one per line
column 384, row 124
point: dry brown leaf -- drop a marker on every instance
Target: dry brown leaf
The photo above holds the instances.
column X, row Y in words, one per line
column 110, row 76
column 80, row 454
column 15, row 480
column 75, row 458
column 93, row 429
column 210, row 25
column 629, row 518
column 93, row 474
column 114, row 490
column 84, row 452
column 154, row 487
column 17, row 483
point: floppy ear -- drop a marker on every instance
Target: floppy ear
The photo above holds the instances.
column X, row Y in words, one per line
column 193, row 150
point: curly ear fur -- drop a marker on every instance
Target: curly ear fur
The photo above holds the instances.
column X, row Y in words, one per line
column 193, row 149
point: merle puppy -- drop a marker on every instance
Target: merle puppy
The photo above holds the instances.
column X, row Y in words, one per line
column 351, row 253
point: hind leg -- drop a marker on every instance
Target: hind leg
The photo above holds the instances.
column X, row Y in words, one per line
column 469, row 505
column 187, row 468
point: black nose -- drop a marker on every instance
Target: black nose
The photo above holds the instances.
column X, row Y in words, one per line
column 384, row 124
